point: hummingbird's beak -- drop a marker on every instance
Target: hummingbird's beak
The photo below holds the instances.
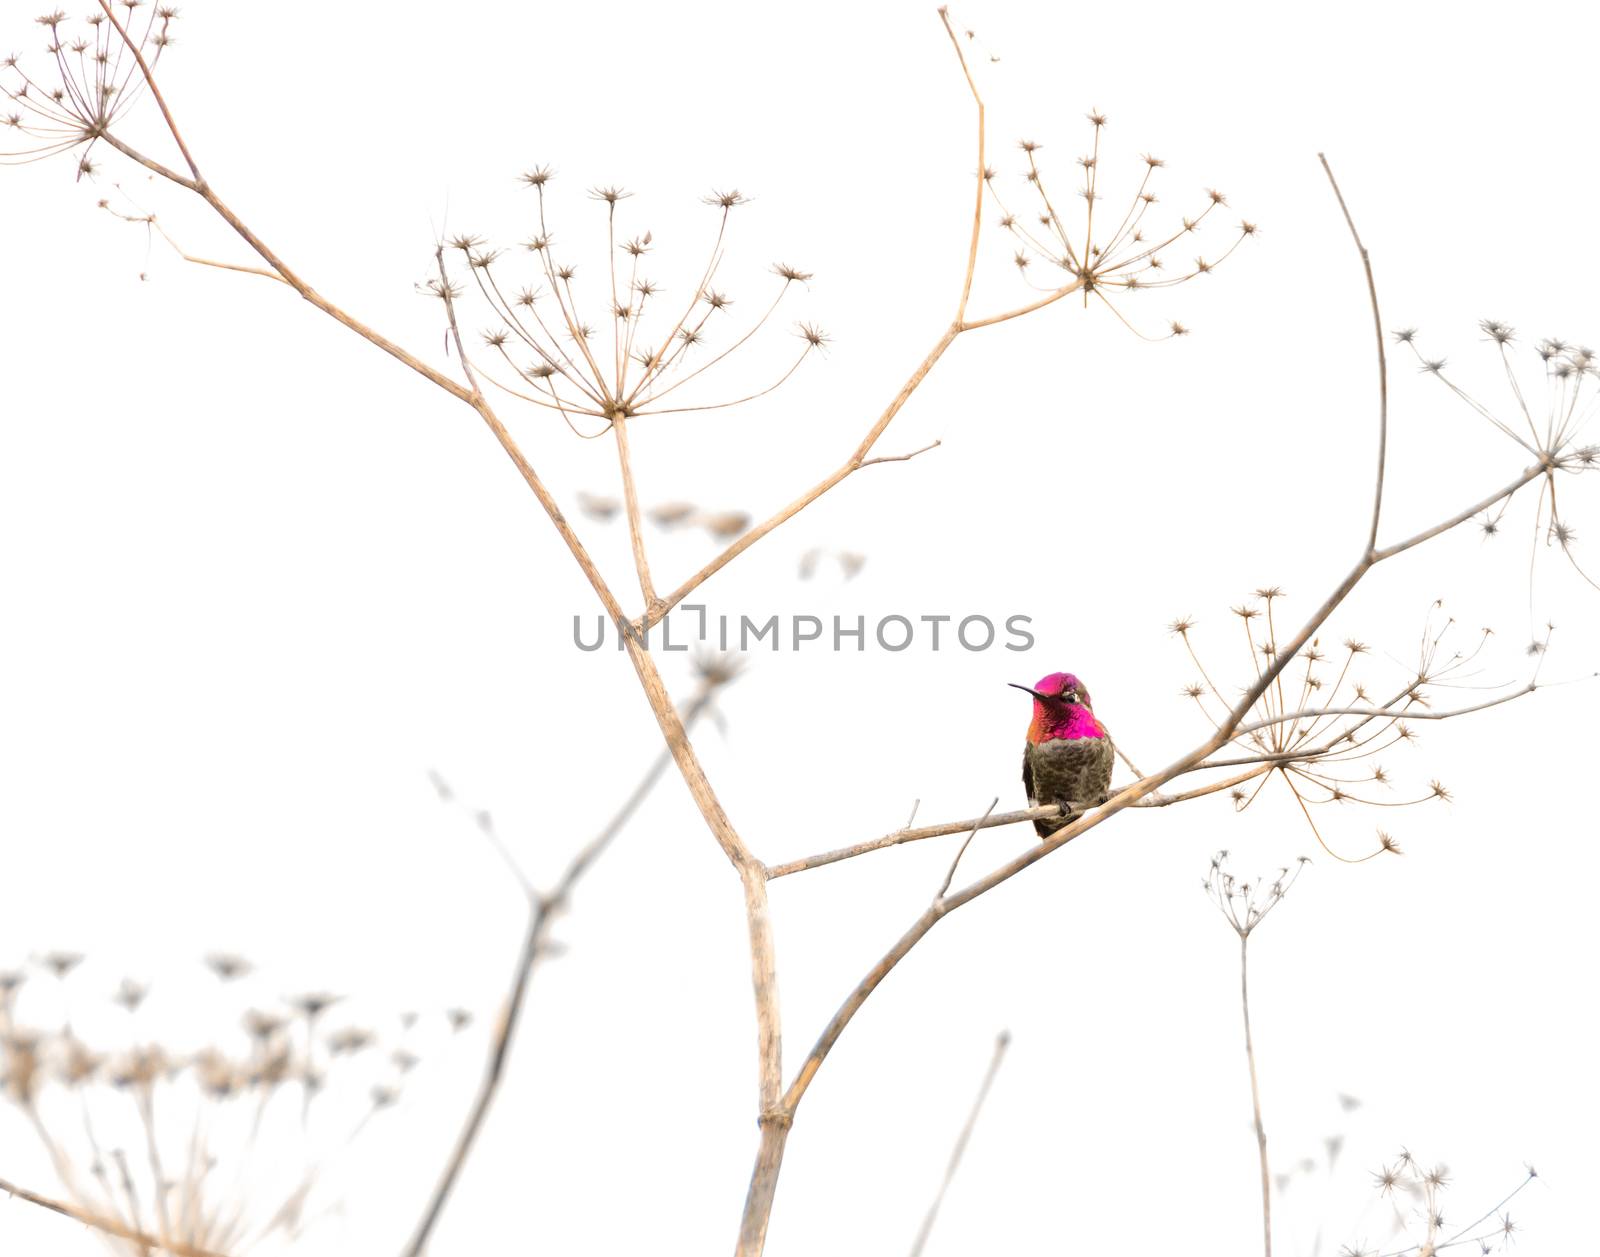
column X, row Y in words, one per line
column 1028, row 689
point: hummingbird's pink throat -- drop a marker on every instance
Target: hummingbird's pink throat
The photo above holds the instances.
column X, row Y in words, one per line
column 1056, row 719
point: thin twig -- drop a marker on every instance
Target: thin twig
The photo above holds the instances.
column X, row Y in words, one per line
column 1383, row 365
column 1001, row 1043
column 950, row 874
column 898, row 836
column 901, row 458
column 155, row 91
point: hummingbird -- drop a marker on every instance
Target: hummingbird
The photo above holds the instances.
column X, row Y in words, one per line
column 1068, row 756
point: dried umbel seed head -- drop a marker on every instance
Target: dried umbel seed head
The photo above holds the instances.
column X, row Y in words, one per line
column 20, row 1065
column 261, row 1025
column 1546, row 424
column 143, row 1120
column 1244, row 904
column 1314, row 727
column 717, row 670
column 313, row 1004
column 542, row 350
column 84, row 88
column 1108, row 254
column 227, row 966
column 60, row 963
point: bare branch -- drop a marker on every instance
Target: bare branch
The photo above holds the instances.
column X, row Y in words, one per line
column 132, row 46
column 630, row 498
column 962, row 850
column 1383, row 362
column 1065, row 290
column 1460, row 517
column 902, row 458
column 986, row 821
column 977, row 211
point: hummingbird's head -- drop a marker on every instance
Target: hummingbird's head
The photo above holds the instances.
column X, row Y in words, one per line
column 1057, row 691
column 1060, row 708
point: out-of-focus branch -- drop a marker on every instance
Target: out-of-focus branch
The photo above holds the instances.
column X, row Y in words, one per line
column 105, row 1225
column 1001, row 1043
column 543, row 908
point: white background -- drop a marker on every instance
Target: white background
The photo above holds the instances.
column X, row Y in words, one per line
column 258, row 578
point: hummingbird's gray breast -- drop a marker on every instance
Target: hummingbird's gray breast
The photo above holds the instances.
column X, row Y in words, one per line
column 1066, row 771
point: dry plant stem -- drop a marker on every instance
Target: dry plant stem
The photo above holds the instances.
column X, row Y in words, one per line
column 1383, row 367
column 542, row 909
column 1002, row 1041
column 950, row 874
column 630, row 497
column 203, row 190
column 990, row 820
column 1255, row 1094
column 106, row 1226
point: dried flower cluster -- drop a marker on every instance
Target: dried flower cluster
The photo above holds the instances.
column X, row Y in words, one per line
column 92, row 82
column 547, row 352
column 1245, row 905
column 224, row 1146
column 1418, row 1225
column 1112, row 256
column 1548, row 429
column 1317, row 727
